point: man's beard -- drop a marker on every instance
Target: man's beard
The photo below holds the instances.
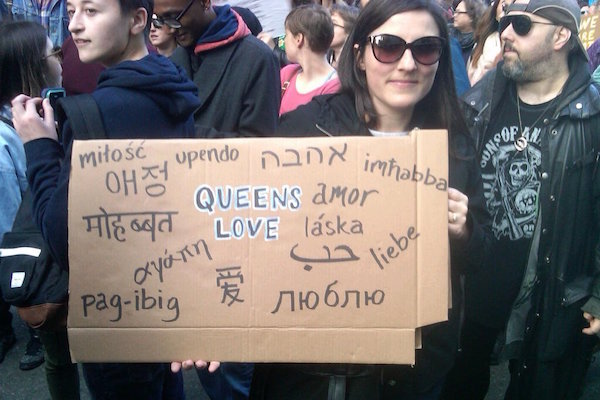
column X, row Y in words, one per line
column 515, row 70
column 527, row 71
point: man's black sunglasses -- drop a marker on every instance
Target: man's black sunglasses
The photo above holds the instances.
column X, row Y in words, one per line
column 174, row 23
column 521, row 23
column 389, row 48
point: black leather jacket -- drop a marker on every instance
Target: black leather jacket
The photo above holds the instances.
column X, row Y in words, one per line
column 568, row 258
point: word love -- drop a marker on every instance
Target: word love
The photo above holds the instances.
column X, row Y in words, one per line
column 240, row 227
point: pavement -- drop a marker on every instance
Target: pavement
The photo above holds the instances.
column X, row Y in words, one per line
column 31, row 385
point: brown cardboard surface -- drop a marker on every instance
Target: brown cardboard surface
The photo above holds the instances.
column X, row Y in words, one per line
column 340, row 275
column 323, row 345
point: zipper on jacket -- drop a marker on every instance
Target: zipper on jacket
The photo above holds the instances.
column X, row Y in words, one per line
column 323, row 130
column 477, row 122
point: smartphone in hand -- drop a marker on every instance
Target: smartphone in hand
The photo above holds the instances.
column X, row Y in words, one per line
column 53, row 94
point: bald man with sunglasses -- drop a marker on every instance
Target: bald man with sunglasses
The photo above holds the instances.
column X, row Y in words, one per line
column 535, row 120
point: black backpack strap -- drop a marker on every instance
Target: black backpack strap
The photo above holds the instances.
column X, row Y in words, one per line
column 83, row 115
column 24, row 219
column 7, row 121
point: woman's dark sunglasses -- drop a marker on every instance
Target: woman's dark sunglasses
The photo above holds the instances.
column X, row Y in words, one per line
column 174, row 23
column 521, row 23
column 389, row 48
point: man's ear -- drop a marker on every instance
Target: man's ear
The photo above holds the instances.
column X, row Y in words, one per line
column 359, row 56
column 561, row 37
column 139, row 19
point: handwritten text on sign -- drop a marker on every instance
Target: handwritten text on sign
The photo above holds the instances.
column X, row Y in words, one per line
column 250, row 234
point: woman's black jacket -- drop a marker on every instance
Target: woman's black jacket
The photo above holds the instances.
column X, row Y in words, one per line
column 335, row 115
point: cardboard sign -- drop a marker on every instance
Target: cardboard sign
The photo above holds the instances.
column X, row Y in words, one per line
column 266, row 250
column 588, row 29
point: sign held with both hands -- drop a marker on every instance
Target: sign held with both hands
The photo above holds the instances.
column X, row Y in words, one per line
column 265, row 250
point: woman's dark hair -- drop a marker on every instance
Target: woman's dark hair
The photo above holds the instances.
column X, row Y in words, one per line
column 347, row 13
column 23, row 68
column 314, row 22
column 485, row 27
column 439, row 109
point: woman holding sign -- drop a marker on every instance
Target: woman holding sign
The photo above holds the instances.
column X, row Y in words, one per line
column 396, row 76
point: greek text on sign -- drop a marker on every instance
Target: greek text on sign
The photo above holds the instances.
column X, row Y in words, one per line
column 272, row 250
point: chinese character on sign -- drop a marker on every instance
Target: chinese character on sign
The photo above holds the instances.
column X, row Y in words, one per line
column 228, row 280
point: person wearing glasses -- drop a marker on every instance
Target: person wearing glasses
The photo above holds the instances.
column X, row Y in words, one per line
column 343, row 17
column 29, row 64
column 466, row 16
column 535, row 119
column 139, row 96
column 396, row 76
column 162, row 37
column 236, row 74
column 238, row 80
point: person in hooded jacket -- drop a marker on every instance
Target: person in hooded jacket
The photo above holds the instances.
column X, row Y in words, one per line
column 139, row 95
column 389, row 91
column 237, row 75
column 238, row 80
column 29, row 63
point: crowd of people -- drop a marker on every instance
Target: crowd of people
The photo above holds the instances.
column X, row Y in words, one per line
column 524, row 151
